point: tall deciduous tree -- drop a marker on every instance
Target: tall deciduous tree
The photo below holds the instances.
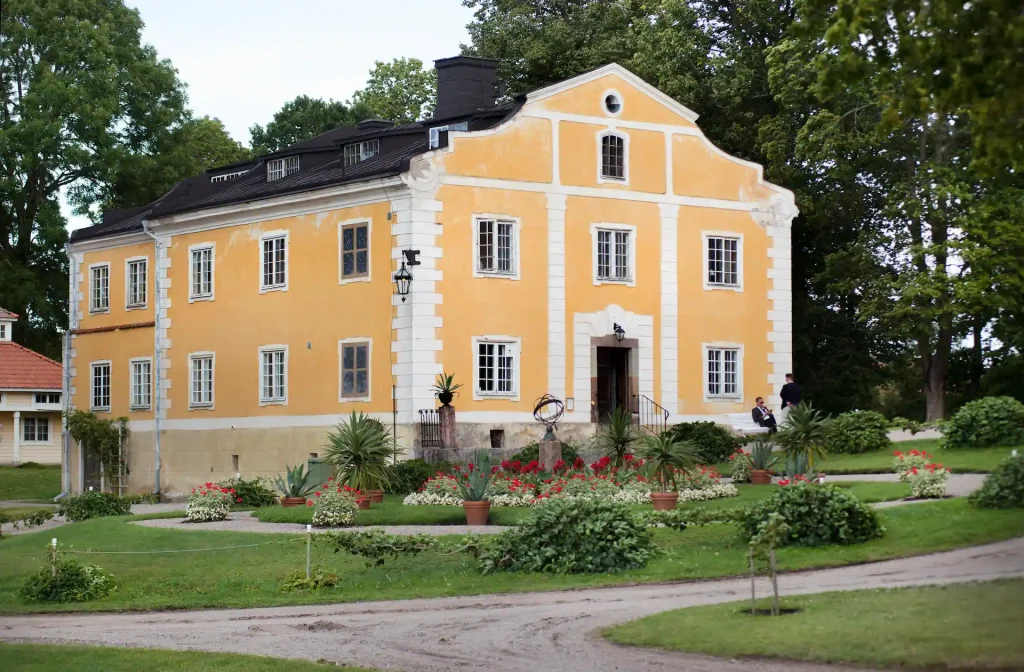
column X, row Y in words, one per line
column 301, row 119
column 400, row 91
column 80, row 93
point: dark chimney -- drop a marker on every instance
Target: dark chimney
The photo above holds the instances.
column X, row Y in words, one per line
column 465, row 84
column 374, row 124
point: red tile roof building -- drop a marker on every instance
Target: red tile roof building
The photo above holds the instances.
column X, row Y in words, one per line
column 23, row 369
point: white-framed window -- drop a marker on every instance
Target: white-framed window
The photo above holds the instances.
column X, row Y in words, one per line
column 496, row 370
column 3, row 331
column 201, row 370
column 47, row 398
column 354, row 250
column 495, row 246
column 201, row 272
column 360, row 151
column 273, row 374
column 274, row 256
column 723, row 260
column 614, row 253
column 135, row 282
column 100, row 387
column 99, row 288
column 723, row 371
column 613, row 157
column 141, row 383
column 35, row 429
column 354, row 364
column 278, row 168
column 611, row 100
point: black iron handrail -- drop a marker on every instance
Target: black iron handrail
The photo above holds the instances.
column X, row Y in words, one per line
column 649, row 414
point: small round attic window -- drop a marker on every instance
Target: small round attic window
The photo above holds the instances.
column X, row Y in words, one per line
column 612, row 103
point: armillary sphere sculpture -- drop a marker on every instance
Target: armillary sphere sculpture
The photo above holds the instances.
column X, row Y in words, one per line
column 548, row 410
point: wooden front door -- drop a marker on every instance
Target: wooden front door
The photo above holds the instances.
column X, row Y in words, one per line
column 612, row 381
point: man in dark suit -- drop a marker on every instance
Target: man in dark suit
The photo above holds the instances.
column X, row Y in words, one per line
column 790, row 395
column 762, row 416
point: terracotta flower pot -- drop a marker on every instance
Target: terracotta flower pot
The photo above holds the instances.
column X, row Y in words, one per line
column 476, row 512
column 664, row 501
column 760, row 477
column 363, row 501
column 289, row 502
column 376, row 496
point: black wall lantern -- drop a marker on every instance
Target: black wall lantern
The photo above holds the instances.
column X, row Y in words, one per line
column 403, row 278
column 620, row 333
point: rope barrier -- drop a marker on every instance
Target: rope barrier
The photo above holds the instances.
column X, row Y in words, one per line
column 182, row 550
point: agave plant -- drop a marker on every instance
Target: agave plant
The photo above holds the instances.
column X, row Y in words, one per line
column 663, row 456
column 360, row 447
column 445, row 387
column 761, row 458
column 797, row 465
column 296, row 482
column 617, row 437
column 805, row 432
column 475, row 482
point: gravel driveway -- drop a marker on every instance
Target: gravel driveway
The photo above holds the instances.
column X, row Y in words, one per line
column 514, row 633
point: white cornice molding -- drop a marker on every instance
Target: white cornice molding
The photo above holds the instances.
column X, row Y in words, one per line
column 109, row 242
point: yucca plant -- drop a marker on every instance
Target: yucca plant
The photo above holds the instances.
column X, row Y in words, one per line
column 663, row 456
column 761, row 457
column 296, row 482
column 617, row 436
column 797, row 465
column 475, row 482
column 805, row 432
column 360, row 448
column 445, row 387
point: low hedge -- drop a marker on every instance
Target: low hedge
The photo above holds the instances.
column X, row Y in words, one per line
column 1004, row 487
column 859, row 432
column 991, row 421
column 817, row 515
column 715, row 443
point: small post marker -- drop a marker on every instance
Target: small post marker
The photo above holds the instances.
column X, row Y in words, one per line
column 309, row 547
column 53, row 557
column 1013, row 453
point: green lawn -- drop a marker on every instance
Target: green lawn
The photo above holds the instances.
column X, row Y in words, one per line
column 974, row 626
column 961, row 460
column 32, row 483
column 48, row 658
column 392, row 512
column 22, row 512
column 249, row 577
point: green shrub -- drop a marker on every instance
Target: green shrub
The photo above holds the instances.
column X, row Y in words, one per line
column 571, row 536
column 410, row 475
column 531, row 452
column 73, row 582
column 254, row 493
column 859, row 432
column 817, row 515
column 93, row 504
column 317, row 580
column 991, row 421
column 715, row 443
column 1004, row 487
column 30, row 465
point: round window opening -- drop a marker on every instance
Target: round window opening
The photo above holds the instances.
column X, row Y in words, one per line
column 612, row 103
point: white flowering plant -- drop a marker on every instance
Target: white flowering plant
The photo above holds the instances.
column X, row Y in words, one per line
column 334, row 506
column 715, row 491
column 928, row 482
column 424, row 498
column 524, row 499
column 209, row 503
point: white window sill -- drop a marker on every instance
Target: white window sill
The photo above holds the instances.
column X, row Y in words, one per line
column 509, row 396
column 204, row 297
column 273, row 288
column 100, row 409
column 718, row 397
column 36, row 443
column 200, row 407
column 613, row 180
column 99, row 311
column 627, row 282
column 273, row 402
column 357, row 278
column 141, row 306
column 353, row 400
column 501, row 275
column 140, row 408
column 729, row 288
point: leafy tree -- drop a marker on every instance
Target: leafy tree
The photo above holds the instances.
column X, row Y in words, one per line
column 399, row 91
column 80, row 93
column 301, row 119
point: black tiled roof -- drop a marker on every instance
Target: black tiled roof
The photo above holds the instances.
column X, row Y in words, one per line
column 320, row 163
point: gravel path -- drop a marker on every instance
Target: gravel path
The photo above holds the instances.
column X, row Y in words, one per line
column 242, row 521
column 958, row 485
column 514, row 633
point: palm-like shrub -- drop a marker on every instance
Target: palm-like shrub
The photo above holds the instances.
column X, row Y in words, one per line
column 663, row 456
column 296, row 482
column 761, row 457
column 617, row 437
column 360, row 448
column 805, row 432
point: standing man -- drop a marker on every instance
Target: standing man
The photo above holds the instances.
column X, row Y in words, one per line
column 790, row 396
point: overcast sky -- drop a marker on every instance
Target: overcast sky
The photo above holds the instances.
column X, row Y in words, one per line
column 243, row 59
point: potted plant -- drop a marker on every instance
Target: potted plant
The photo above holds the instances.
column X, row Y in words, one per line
column 663, row 456
column 360, row 448
column 474, row 485
column 761, row 462
column 294, row 486
column 445, row 388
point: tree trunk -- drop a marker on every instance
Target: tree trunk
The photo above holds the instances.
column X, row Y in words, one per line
column 977, row 357
column 449, row 443
column 935, row 394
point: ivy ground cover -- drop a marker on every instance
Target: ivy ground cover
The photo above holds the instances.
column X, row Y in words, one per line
column 973, row 626
column 251, row 576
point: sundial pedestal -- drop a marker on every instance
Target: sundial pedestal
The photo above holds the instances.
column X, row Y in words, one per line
column 550, row 451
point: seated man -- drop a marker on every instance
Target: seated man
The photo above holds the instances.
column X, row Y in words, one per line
column 762, row 416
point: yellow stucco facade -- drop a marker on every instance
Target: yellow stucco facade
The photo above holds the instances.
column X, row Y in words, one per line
column 531, row 257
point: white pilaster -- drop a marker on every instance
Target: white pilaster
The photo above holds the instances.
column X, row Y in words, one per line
column 669, row 345
column 556, row 296
column 16, row 454
column 777, row 218
column 163, row 323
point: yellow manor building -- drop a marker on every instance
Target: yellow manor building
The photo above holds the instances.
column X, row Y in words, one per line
column 585, row 241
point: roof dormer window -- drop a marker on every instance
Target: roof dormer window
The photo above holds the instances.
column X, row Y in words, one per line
column 435, row 132
column 278, row 168
column 230, row 176
column 361, row 151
